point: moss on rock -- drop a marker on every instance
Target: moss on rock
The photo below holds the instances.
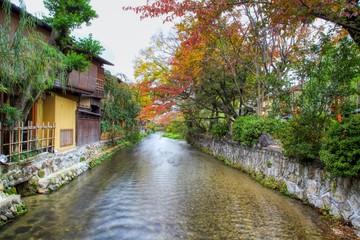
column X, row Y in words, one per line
column 41, row 173
column 10, row 191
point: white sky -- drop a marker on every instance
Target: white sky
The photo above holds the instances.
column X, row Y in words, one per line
column 120, row 32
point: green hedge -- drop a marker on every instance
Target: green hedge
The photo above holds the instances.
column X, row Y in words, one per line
column 173, row 136
column 340, row 150
column 301, row 139
column 219, row 130
column 177, row 128
column 309, row 139
column 248, row 129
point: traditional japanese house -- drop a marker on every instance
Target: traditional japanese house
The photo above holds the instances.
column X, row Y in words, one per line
column 74, row 109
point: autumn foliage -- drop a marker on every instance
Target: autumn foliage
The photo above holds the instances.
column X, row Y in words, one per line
column 227, row 59
column 280, row 13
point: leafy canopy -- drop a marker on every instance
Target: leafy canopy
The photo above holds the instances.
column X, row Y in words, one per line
column 119, row 108
column 65, row 16
column 69, row 14
column 282, row 14
column 28, row 65
column 340, row 150
column 329, row 78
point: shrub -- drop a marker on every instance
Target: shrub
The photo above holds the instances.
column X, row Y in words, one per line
column 134, row 137
column 219, row 130
column 173, row 136
column 340, row 150
column 177, row 127
column 248, row 129
column 302, row 138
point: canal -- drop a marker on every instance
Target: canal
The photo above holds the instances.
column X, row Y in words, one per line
column 164, row 189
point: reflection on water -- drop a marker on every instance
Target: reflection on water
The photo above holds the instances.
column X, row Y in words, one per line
column 164, row 189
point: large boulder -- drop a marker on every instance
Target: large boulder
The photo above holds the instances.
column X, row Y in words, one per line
column 265, row 140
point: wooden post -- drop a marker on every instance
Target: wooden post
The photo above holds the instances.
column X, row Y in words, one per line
column 37, row 146
column 43, row 135
column 19, row 138
column 53, row 137
column 28, row 136
column 1, row 139
column 47, row 135
column 1, row 121
column 10, row 143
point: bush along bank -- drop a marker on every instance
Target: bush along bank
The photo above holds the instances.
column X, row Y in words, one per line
column 340, row 196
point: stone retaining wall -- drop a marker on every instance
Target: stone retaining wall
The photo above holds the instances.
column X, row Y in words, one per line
column 341, row 196
column 44, row 173
column 9, row 207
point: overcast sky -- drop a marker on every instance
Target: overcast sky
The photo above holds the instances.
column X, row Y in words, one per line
column 120, row 32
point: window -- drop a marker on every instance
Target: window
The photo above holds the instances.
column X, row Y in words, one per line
column 66, row 137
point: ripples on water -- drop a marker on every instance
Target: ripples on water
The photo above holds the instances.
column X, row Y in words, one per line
column 164, row 189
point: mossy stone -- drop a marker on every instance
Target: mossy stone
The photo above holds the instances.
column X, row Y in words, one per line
column 41, row 173
column 10, row 191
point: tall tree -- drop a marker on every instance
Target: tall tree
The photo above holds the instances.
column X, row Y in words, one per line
column 153, row 74
column 328, row 82
column 65, row 16
column 28, row 65
column 119, row 108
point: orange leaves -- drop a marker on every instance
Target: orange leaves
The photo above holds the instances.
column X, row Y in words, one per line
column 154, row 109
column 161, row 86
column 344, row 13
column 165, row 119
column 244, row 41
column 168, row 8
column 283, row 13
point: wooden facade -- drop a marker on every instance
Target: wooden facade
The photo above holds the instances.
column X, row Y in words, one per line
column 100, row 82
column 85, row 81
column 88, row 128
column 88, row 116
column 41, row 27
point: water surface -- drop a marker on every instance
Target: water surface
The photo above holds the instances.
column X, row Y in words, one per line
column 164, row 189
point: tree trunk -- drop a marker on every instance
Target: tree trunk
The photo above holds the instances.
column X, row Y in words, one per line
column 24, row 103
column 355, row 35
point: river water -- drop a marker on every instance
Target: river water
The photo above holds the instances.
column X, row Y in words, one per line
column 164, row 189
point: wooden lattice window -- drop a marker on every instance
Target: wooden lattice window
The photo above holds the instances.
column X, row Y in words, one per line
column 66, row 137
column 21, row 139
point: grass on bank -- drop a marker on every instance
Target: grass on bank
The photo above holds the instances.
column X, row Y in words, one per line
column 173, row 136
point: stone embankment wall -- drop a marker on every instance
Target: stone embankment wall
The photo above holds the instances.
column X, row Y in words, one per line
column 45, row 173
column 10, row 207
column 341, row 196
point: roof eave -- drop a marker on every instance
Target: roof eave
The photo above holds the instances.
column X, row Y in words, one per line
column 18, row 10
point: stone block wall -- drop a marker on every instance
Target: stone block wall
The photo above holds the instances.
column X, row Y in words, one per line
column 44, row 173
column 45, row 164
column 341, row 196
column 9, row 207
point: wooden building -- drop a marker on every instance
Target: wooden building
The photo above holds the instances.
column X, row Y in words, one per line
column 88, row 111
column 74, row 108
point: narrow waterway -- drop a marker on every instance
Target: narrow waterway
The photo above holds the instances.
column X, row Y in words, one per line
column 164, row 189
